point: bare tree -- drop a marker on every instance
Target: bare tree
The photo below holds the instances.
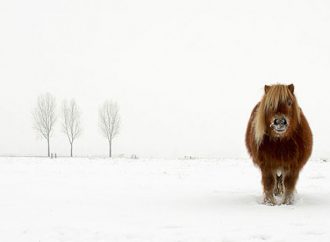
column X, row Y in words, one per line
column 71, row 122
column 45, row 117
column 109, row 121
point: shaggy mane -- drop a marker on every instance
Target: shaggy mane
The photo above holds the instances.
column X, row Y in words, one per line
column 275, row 95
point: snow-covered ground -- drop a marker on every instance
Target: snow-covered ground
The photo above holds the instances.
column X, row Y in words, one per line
column 45, row 200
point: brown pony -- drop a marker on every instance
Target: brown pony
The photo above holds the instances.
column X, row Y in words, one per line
column 279, row 141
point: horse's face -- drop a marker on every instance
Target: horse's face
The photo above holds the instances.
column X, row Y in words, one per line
column 281, row 117
column 279, row 120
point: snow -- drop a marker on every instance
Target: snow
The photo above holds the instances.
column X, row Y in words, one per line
column 83, row 199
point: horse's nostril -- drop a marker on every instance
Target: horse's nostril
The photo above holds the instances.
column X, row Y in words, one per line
column 280, row 121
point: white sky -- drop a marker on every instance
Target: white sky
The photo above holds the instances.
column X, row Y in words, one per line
column 185, row 73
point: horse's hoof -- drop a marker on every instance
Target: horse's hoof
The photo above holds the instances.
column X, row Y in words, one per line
column 288, row 200
column 267, row 203
column 270, row 201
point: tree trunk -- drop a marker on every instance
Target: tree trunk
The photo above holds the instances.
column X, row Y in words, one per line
column 71, row 149
column 48, row 147
column 110, row 148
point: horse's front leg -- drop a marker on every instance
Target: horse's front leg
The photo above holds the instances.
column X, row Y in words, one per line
column 268, row 183
column 290, row 181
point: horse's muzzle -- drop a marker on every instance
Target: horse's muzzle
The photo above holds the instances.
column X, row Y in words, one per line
column 280, row 124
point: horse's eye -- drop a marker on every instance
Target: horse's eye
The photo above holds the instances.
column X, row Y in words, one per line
column 289, row 102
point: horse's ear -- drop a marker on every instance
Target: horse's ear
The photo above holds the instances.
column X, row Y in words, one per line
column 291, row 88
column 266, row 88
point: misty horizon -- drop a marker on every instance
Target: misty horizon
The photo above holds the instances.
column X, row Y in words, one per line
column 185, row 77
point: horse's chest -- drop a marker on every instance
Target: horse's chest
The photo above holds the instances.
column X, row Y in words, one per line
column 279, row 150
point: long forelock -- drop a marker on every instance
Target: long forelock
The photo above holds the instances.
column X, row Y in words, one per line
column 276, row 95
